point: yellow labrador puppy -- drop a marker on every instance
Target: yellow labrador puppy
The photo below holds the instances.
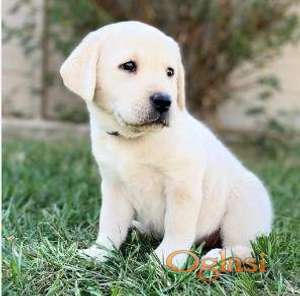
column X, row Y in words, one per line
column 159, row 165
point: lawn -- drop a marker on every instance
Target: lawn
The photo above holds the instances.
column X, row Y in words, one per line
column 51, row 205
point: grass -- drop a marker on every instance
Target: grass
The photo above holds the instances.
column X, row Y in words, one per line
column 50, row 209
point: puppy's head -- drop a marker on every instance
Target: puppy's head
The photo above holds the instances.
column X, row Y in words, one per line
column 132, row 71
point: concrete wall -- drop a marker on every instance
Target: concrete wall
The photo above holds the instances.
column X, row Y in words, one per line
column 21, row 75
column 284, row 105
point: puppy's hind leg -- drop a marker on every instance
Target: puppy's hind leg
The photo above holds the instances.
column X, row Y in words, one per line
column 248, row 215
column 139, row 226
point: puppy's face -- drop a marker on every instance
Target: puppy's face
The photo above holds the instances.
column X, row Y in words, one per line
column 136, row 73
column 137, row 79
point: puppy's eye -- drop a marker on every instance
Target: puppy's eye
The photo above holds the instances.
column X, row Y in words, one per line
column 170, row 72
column 129, row 66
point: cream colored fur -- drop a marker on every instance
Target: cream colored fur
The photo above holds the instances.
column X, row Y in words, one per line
column 179, row 182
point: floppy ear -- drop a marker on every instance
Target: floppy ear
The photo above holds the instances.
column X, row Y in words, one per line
column 181, row 86
column 79, row 70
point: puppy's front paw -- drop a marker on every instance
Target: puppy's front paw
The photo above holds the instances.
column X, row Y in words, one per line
column 94, row 253
column 177, row 260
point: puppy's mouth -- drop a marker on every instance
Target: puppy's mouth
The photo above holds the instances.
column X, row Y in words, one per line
column 158, row 121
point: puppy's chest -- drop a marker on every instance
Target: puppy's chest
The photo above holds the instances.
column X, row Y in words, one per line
column 146, row 189
column 143, row 174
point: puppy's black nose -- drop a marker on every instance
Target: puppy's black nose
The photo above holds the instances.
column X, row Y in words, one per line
column 161, row 102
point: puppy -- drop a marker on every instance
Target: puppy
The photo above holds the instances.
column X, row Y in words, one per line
column 159, row 165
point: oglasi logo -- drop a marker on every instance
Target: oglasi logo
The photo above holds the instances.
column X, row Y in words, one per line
column 211, row 268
